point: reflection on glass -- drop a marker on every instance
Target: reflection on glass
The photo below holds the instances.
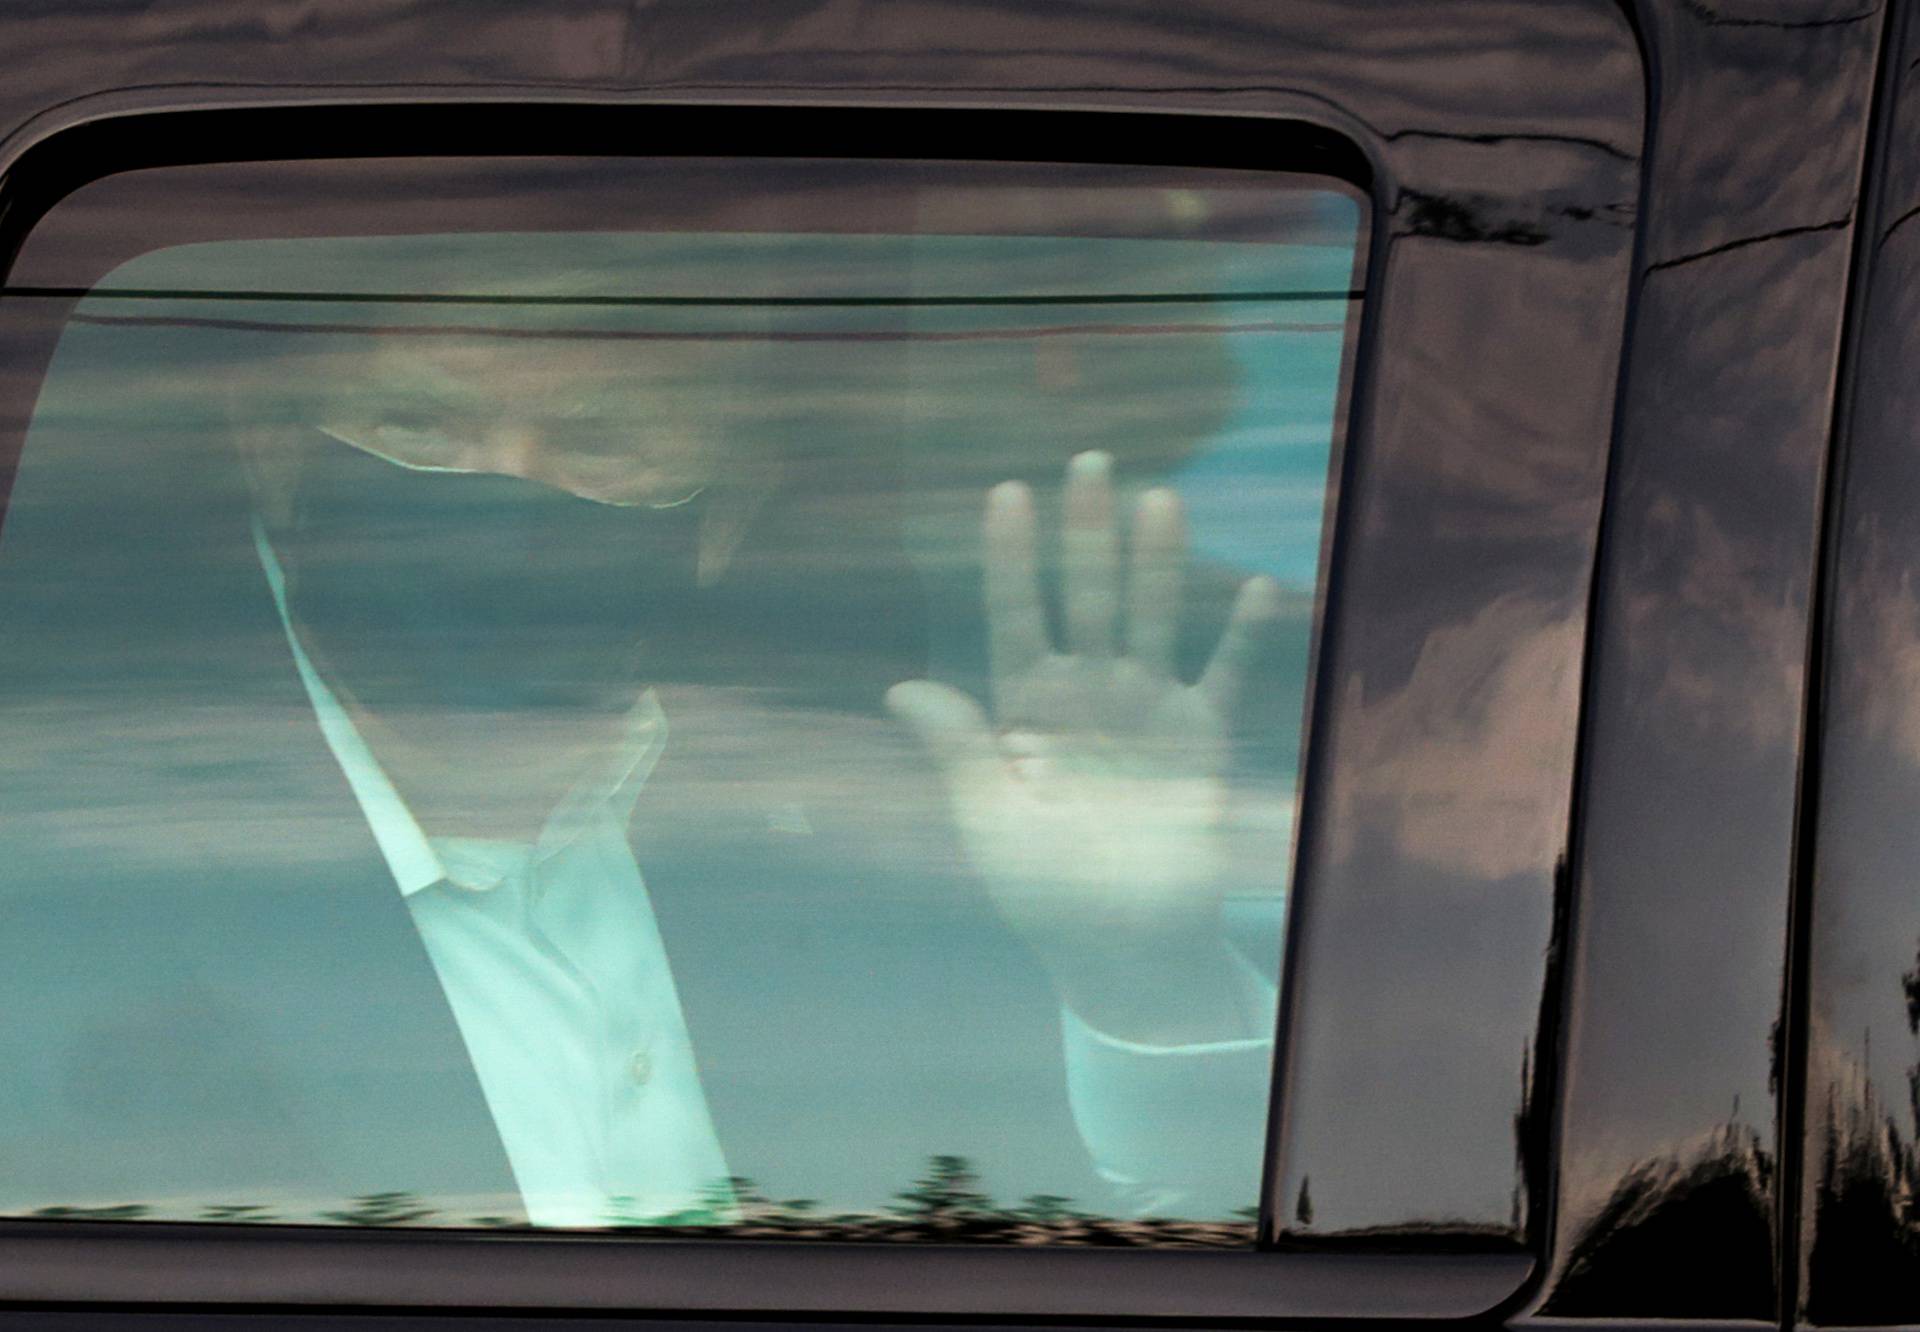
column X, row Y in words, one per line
column 783, row 731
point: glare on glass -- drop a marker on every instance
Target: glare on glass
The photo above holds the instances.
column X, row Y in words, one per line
column 785, row 733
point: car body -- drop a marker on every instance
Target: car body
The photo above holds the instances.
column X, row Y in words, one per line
column 1602, row 773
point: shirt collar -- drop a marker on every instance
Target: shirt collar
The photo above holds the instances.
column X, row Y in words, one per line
column 418, row 862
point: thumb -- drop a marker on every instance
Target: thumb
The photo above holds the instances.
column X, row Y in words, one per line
column 954, row 730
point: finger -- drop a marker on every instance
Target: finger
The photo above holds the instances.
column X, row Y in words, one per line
column 1016, row 624
column 954, row 730
column 1154, row 578
column 1255, row 609
column 1090, row 549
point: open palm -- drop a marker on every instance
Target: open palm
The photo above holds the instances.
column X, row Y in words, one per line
column 1091, row 800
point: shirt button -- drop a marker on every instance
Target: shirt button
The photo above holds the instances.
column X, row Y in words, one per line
column 640, row 1067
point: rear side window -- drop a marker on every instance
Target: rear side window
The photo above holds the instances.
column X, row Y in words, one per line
column 752, row 696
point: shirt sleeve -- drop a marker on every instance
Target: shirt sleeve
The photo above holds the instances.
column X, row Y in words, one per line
column 1180, row 1130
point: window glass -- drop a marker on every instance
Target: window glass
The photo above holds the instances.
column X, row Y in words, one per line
column 724, row 695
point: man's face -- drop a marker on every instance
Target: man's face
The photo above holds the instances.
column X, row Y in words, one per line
column 468, row 530
column 630, row 423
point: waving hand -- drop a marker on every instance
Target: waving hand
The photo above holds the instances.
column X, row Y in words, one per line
column 1090, row 799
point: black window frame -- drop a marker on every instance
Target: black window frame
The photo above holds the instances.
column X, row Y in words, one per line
column 670, row 1272
column 1437, row 1271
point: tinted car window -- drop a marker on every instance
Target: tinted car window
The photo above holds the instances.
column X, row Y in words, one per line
column 707, row 694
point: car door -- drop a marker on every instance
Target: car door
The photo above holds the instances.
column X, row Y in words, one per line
column 1546, row 728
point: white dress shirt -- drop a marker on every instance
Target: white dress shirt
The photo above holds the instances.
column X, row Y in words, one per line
column 553, row 965
column 552, row 961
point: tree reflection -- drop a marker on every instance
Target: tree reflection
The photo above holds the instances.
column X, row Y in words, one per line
column 945, row 1203
column 1695, row 1227
column 1866, row 1206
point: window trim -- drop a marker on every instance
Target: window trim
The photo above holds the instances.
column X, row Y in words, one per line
column 1431, row 1274
column 38, row 175
column 273, row 1267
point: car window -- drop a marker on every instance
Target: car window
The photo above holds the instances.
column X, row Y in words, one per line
column 726, row 696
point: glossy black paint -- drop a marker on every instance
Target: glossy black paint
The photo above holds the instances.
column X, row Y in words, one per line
column 1435, row 837
column 1860, row 1232
column 1563, row 185
column 1432, row 834
column 1670, row 1201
